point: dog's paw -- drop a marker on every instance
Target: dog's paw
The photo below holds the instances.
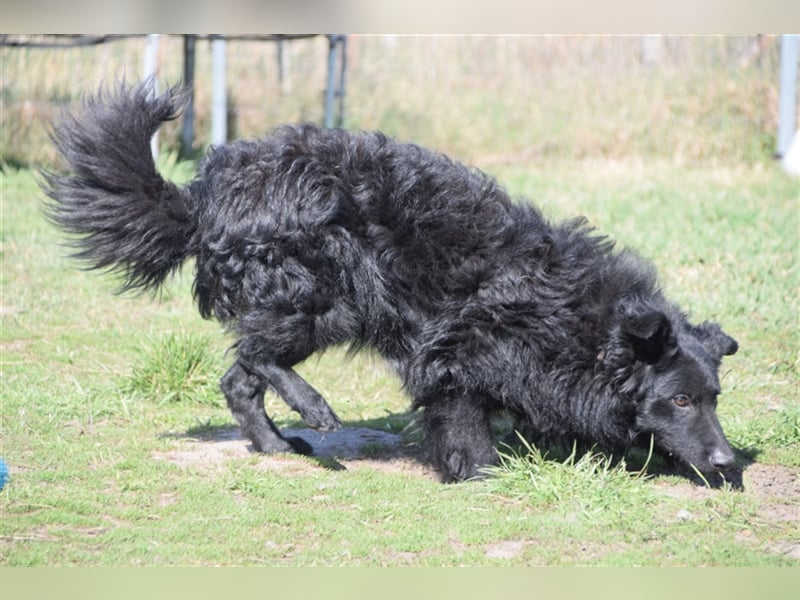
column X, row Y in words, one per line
column 321, row 417
column 457, row 465
column 464, row 463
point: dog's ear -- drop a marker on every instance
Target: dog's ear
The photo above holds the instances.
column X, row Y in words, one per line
column 648, row 331
column 715, row 341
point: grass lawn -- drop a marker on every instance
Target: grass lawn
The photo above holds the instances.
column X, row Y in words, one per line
column 121, row 452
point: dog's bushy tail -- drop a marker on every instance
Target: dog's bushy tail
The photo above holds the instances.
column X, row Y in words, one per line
column 125, row 216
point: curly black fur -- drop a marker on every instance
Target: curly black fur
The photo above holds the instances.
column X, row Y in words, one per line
column 312, row 237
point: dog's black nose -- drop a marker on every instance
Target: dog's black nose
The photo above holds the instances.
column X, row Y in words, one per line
column 722, row 460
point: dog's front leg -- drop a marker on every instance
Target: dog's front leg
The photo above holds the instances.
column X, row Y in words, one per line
column 459, row 435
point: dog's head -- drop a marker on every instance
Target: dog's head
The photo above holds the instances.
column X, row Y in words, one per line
column 677, row 383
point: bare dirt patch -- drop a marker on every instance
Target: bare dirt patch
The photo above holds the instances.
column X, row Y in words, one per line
column 777, row 491
column 766, row 482
column 772, row 481
column 505, row 549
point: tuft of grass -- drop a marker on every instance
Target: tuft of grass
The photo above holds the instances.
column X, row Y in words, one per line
column 176, row 367
column 592, row 485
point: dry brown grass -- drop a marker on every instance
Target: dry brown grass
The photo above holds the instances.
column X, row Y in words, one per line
column 488, row 100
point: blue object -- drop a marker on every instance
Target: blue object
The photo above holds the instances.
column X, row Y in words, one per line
column 3, row 474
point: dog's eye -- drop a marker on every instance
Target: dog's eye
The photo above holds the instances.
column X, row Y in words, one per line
column 681, row 401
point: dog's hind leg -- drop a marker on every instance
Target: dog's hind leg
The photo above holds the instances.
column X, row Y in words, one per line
column 275, row 373
column 298, row 394
column 245, row 395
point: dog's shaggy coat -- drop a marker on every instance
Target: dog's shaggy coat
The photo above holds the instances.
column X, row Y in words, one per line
column 312, row 237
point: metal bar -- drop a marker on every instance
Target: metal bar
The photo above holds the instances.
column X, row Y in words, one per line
column 187, row 127
column 330, row 92
column 342, row 81
column 151, row 72
column 219, row 109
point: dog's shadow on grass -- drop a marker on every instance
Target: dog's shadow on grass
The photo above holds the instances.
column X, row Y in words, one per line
column 397, row 437
column 389, row 438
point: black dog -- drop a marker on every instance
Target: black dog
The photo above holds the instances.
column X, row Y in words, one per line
column 310, row 238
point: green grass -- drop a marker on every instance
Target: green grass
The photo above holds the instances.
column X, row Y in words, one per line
column 578, row 485
column 175, row 368
column 97, row 389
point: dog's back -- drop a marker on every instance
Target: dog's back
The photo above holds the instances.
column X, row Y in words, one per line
column 309, row 221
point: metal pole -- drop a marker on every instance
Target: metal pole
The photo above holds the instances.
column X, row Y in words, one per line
column 283, row 66
column 187, row 128
column 219, row 110
column 151, row 72
column 330, row 93
column 787, row 105
column 342, row 82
